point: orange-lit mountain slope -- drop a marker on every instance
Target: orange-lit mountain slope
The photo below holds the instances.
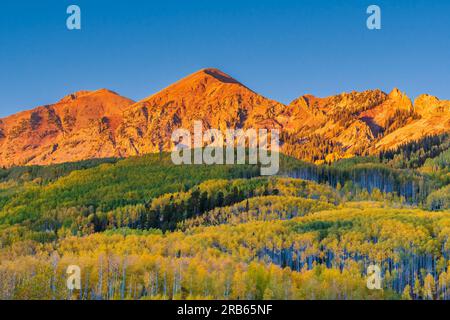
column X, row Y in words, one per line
column 94, row 124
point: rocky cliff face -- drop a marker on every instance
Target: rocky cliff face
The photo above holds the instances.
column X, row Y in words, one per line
column 94, row 124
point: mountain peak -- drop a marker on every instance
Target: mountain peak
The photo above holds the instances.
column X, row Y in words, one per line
column 395, row 93
column 219, row 75
column 428, row 104
column 209, row 74
column 199, row 82
column 426, row 98
column 399, row 100
column 83, row 93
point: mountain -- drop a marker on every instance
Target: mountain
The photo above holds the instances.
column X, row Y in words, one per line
column 361, row 123
column 432, row 118
column 96, row 124
column 208, row 95
column 79, row 126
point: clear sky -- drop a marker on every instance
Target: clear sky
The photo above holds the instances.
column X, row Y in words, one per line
column 279, row 48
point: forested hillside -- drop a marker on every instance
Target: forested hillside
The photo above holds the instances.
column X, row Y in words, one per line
column 143, row 228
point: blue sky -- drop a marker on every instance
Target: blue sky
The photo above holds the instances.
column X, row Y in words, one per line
column 281, row 49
